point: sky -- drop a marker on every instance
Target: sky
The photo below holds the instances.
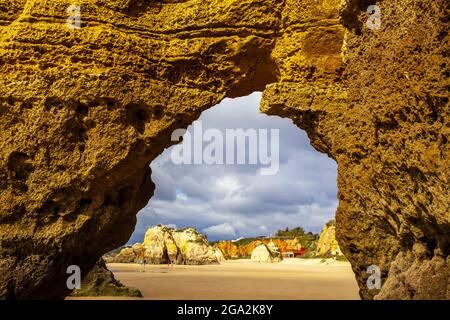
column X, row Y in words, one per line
column 228, row 201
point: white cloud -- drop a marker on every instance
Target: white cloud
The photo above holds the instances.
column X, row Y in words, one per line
column 220, row 230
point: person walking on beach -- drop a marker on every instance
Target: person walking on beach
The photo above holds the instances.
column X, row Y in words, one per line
column 143, row 262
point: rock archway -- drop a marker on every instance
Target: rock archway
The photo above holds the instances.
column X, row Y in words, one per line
column 84, row 111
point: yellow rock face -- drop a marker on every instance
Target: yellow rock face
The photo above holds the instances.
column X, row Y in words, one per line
column 163, row 245
column 83, row 112
column 219, row 255
column 266, row 253
column 327, row 244
column 160, row 246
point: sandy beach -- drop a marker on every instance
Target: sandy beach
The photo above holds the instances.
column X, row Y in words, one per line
column 292, row 279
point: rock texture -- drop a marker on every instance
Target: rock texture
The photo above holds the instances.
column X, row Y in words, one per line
column 327, row 244
column 415, row 269
column 230, row 249
column 84, row 111
column 234, row 250
column 161, row 246
column 219, row 255
column 178, row 246
column 101, row 282
column 266, row 253
column 133, row 254
column 394, row 170
column 193, row 246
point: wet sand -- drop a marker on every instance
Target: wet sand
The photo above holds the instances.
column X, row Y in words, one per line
column 292, row 279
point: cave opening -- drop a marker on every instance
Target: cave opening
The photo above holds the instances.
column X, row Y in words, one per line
column 283, row 197
column 305, row 178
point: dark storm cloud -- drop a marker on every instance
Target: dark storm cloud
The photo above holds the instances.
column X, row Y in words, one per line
column 229, row 201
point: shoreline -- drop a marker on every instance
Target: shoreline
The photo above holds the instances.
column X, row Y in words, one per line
column 291, row 279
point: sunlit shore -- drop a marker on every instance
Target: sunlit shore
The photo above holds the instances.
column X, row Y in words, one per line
column 292, row 279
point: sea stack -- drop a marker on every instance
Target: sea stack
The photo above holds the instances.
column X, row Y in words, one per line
column 266, row 253
column 169, row 245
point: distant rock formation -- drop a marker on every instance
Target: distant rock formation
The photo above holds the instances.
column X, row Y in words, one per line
column 232, row 250
column 128, row 255
column 219, row 255
column 84, row 112
column 163, row 245
column 328, row 244
column 160, row 246
column 266, row 253
column 229, row 249
column 101, row 282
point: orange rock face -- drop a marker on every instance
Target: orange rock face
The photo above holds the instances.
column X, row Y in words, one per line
column 232, row 250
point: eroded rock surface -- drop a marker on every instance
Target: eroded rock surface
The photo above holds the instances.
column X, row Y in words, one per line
column 133, row 254
column 219, row 255
column 163, row 245
column 327, row 244
column 193, row 246
column 394, row 171
column 84, row 111
column 235, row 250
column 266, row 253
column 101, row 282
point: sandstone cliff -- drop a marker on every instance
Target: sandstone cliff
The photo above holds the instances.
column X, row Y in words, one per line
column 327, row 244
column 266, row 253
column 194, row 247
column 84, row 111
column 162, row 245
column 219, row 255
column 133, row 254
column 235, row 250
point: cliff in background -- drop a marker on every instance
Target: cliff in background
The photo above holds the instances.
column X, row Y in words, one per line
column 235, row 250
column 168, row 245
column 328, row 244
